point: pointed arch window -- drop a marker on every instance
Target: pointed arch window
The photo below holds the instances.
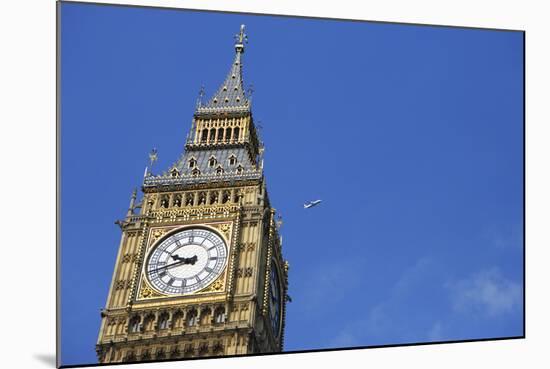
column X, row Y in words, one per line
column 204, row 136
column 195, row 172
column 236, row 132
column 212, row 161
column 226, row 196
column 232, row 159
column 164, row 201
column 163, row 321
column 192, row 163
column 175, row 172
column 206, row 316
column 227, row 134
column 202, row 198
column 148, row 323
column 178, row 200
column 133, row 327
column 192, row 318
column 219, row 170
column 189, row 198
column 178, row 319
column 240, row 169
column 219, row 315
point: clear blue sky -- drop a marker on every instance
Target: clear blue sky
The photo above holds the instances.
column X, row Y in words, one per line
column 411, row 135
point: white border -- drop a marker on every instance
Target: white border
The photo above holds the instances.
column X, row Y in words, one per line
column 27, row 116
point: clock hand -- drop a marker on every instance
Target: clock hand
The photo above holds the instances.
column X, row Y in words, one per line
column 192, row 260
column 181, row 260
column 169, row 265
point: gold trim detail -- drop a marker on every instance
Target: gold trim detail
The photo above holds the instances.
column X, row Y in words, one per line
column 225, row 229
column 217, row 286
column 156, row 234
column 147, row 292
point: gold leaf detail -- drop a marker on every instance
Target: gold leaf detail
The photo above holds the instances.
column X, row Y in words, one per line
column 217, row 286
column 225, row 228
column 158, row 233
column 147, row 292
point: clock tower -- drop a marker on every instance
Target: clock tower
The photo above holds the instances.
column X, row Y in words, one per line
column 200, row 270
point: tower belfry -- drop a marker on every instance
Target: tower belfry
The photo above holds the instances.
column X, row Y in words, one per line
column 200, row 270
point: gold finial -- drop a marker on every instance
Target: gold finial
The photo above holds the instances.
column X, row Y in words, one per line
column 279, row 221
column 241, row 39
column 153, row 156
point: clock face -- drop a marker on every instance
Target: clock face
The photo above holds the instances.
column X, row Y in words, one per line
column 186, row 262
column 274, row 300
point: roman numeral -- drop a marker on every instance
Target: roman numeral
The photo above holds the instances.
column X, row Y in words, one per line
column 171, row 281
column 213, row 258
column 191, row 239
column 209, row 270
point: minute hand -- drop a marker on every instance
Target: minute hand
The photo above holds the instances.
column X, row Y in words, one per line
column 170, row 265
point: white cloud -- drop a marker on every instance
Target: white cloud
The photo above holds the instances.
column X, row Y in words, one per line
column 487, row 292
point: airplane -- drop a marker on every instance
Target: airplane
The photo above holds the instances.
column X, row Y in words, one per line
column 311, row 204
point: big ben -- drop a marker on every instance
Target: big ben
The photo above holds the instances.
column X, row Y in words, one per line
column 200, row 270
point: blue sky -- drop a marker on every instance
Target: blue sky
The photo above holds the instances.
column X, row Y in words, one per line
column 411, row 135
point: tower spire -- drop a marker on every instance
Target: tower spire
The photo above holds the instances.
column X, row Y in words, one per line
column 231, row 96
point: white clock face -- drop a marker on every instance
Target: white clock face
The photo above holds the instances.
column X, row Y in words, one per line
column 186, row 262
column 274, row 300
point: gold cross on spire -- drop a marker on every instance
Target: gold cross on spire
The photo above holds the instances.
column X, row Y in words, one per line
column 241, row 39
column 241, row 36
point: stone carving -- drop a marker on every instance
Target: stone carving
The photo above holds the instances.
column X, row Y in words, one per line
column 147, row 292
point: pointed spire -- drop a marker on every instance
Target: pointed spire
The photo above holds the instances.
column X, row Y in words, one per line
column 231, row 96
column 132, row 203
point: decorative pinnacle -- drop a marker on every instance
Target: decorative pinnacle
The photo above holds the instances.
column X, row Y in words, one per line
column 279, row 221
column 199, row 98
column 132, row 202
column 153, row 156
column 241, row 39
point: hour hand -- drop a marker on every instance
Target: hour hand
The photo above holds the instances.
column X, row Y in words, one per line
column 177, row 257
column 192, row 260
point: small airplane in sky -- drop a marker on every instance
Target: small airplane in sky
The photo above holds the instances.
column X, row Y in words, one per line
column 311, row 204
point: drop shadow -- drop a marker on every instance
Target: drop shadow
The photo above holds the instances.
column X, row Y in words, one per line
column 48, row 359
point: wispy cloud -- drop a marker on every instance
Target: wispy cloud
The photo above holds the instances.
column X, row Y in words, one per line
column 332, row 280
column 505, row 238
column 344, row 338
column 486, row 292
column 436, row 332
column 382, row 323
